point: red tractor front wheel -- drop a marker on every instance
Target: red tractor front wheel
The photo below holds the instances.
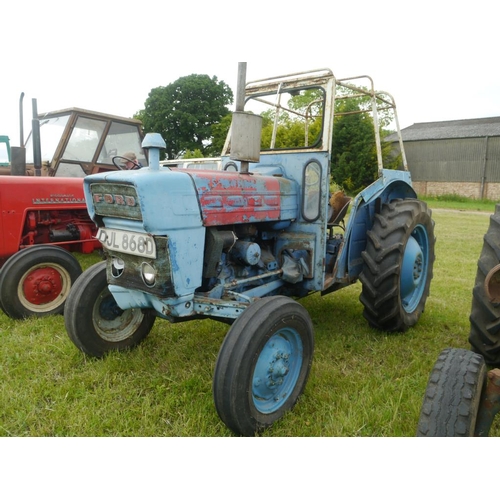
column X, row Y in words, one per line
column 36, row 281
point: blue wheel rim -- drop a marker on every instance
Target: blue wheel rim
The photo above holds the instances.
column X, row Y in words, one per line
column 414, row 268
column 277, row 370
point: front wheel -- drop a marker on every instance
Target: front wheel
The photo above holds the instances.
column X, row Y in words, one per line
column 36, row 281
column 398, row 264
column 263, row 364
column 453, row 395
column 95, row 323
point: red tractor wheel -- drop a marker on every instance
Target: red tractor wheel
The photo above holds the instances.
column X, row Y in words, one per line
column 36, row 281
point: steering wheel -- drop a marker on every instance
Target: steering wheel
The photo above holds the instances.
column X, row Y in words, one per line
column 121, row 165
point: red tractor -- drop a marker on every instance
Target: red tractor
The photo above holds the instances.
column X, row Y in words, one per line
column 44, row 215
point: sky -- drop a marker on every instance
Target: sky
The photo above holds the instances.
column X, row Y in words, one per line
column 437, row 59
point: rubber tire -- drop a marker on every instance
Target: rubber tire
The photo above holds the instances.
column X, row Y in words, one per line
column 282, row 319
column 93, row 333
column 453, row 395
column 484, row 335
column 13, row 301
column 398, row 223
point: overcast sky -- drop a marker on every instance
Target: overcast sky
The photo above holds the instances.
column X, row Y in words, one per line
column 439, row 62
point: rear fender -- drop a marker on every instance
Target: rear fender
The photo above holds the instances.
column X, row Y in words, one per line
column 393, row 184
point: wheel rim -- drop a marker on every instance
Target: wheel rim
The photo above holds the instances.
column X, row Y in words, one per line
column 414, row 268
column 277, row 370
column 492, row 285
column 112, row 323
column 44, row 288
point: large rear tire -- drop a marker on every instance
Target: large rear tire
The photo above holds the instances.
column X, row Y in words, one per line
column 263, row 364
column 36, row 281
column 453, row 395
column 398, row 265
column 95, row 323
column 484, row 335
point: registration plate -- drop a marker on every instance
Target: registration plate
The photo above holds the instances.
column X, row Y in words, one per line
column 127, row 242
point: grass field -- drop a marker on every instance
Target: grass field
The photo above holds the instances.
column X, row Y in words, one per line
column 363, row 382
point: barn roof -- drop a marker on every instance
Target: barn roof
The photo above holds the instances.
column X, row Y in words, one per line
column 454, row 129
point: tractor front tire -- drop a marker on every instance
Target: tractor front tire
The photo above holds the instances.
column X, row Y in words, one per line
column 263, row 364
column 36, row 281
column 398, row 265
column 453, row 395
column 95, row 323
column 484, row 335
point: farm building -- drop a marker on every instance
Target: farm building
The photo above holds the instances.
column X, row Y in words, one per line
column 454, row 157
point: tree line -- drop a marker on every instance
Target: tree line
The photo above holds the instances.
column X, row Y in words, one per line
column 192, row 115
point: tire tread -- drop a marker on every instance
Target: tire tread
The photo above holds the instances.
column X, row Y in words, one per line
column 452, row 396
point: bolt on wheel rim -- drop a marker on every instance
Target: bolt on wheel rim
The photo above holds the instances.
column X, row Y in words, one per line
column 112, row 323
column 44, row 288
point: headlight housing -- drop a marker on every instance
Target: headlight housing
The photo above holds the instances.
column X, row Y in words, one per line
column 148, row 273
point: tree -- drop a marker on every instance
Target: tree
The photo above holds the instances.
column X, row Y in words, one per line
column 187, row 112
column 219, row 134
column 354, row 156
column 304, row 109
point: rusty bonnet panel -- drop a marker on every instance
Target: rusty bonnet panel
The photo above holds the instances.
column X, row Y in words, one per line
column 232, row 198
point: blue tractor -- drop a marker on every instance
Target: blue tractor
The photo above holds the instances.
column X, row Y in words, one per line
column 240, row 239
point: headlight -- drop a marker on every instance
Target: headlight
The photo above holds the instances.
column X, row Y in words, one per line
column 148, row 274
column 117, row 267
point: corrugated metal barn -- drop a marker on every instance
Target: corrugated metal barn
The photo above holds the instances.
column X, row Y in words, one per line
column 454, row 157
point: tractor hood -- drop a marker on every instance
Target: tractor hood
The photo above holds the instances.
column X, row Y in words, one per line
column 187, row 199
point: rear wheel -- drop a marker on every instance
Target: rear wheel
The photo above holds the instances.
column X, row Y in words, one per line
column 95, row 323
column 36, row 281
column 398, row 264
column 263, row 364
column 453, row 395
column 484, row 334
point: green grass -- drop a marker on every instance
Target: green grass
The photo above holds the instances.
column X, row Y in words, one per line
column 363, row 382
column 457, row 202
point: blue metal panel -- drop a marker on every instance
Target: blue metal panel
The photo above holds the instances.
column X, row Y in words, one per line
column 176, row 215
column 178, row 210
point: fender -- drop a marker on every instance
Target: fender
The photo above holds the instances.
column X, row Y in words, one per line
column 391, row 185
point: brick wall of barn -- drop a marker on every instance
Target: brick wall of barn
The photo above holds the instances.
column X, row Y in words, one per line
column 468, row 189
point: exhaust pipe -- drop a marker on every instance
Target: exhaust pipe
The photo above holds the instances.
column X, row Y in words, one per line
column 18, row 160
column 21, row 121
column 37, row 148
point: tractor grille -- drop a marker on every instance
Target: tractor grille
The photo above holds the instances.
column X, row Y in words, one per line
column 116, row 200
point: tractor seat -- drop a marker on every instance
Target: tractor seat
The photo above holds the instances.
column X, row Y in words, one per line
column 337, row 209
